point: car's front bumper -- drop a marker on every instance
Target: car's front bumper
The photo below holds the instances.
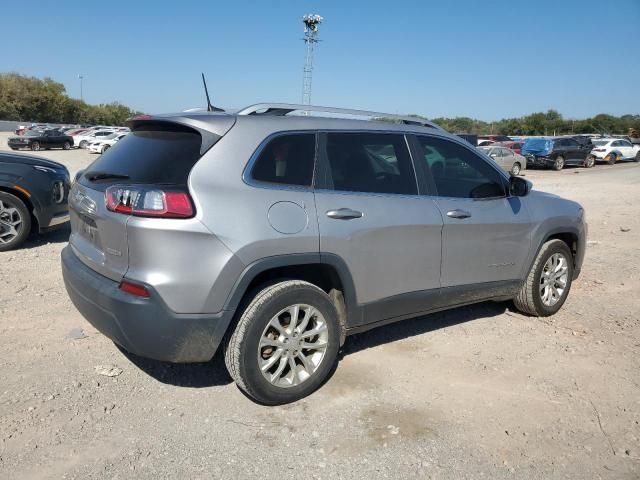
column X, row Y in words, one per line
column 143, row 326
column 537, row 161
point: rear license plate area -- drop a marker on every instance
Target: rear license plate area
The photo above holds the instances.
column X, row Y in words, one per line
column 87, row 228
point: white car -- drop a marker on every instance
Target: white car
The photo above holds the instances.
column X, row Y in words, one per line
column 102, row 145
column 85, row 138
column 612, row 150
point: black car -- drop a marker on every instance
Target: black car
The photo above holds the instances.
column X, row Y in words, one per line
column 38, row 139
column 33, row 197
column 556, row 152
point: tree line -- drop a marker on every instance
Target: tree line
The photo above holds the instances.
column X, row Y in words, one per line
column 30, row 99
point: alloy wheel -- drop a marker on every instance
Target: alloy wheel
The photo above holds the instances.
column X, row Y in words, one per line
column 553, row 280
column 10, row 222
column 293, row 345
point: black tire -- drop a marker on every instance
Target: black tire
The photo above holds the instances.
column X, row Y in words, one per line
column 105, row 148
column 558, row 163
column 11, row 201
column 35, row 146
column 612, row 158
column 529, row 299
column 66, row 146
column 83, row 144
column 516, row 169
column 637, row 157
column 590, row 161
column 241, row 350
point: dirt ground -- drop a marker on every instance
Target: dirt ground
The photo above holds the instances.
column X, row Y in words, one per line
column 477, row 392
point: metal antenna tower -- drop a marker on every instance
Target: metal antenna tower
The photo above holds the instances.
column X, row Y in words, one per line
column 311, row 24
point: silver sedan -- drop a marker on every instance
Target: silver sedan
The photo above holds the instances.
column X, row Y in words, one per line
column 506, row 158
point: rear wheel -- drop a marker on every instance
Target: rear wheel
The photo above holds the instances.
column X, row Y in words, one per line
column 590, row 161
column 105, row 148
column 83, row 144
column 558, row 164
column 15, row 221
column 549, row 281
column 66, row 145
column 516, row 168
column 611, row 158
column 35, row 146
column 285, row 344
column 637, row 157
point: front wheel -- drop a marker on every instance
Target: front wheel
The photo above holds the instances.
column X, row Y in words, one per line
column 105, row 148
column 637, row 157
column 558, row 164
column 285, row 344
column 515, row 169
column 590, row 161
column 66, row 145
column 549, row 281
column 15, row 222
column 35, row 146
column 83, row 144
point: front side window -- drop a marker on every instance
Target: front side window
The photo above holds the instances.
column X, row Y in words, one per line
column 458, row 172
column 369, row 162
column 288, row 160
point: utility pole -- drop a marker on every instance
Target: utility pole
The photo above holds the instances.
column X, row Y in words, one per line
column 311, row 24
column 81, row 77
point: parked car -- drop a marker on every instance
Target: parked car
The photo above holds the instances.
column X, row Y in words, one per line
column 159, row 235
column 506, row 158
column 612, row 150
column 491, row 138
column 104, row 144
column 20, row 129
column 557, row 152
column 516, row 146
column 36, row 140
column 83, row 139
column 33, row 197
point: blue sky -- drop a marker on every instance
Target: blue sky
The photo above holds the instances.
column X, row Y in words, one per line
column 483, row 59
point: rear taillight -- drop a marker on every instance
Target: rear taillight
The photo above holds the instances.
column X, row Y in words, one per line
column 134, row 289
column 599, row 150
column 144, row 201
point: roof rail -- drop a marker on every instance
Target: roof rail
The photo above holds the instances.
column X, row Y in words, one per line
column 282, row 109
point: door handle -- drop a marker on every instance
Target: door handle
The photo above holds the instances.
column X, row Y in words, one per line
column 344, row 214
column 457, row 213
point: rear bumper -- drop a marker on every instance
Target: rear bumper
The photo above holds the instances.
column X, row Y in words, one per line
column 143, row 326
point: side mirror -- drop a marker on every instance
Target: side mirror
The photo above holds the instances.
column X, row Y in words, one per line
column 519, row 187
column 493, row 155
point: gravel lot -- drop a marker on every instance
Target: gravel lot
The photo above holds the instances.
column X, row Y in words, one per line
column 476, row 392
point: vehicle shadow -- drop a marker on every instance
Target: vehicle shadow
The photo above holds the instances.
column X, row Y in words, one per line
column 191, row 375
column 420, row 325
column 214, row 372
column 35, row 240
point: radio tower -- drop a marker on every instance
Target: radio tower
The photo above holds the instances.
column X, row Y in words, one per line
column 311, row 24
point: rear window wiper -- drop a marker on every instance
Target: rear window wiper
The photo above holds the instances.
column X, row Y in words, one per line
column 95, row 176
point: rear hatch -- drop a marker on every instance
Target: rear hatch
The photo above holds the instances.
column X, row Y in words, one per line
column 160, row 153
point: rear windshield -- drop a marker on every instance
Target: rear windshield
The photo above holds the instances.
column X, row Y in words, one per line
column 600, row 143
column 151, row 154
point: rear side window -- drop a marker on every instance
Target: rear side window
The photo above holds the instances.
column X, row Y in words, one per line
column 369, row 162
column 152, row 154
column 287, row 159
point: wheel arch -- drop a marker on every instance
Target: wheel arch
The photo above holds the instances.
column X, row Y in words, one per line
column 569, row 235
column 35, row 222
column 326, row 271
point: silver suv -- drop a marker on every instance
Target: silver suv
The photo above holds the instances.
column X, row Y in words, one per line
column 276, row 235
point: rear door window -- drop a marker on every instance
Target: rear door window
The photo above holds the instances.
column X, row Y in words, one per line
column 369, row 162
column 287, row 159
column 151, row 154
